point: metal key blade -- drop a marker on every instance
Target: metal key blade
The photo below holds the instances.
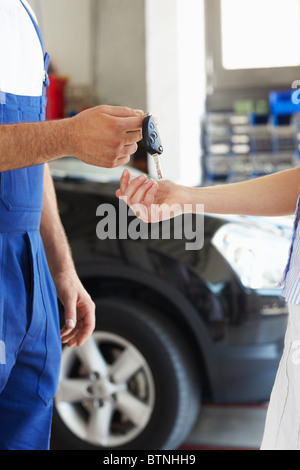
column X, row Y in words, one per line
column 152, row 142
column 158, row 166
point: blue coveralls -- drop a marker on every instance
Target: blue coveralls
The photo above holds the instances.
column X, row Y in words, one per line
column 29, row 321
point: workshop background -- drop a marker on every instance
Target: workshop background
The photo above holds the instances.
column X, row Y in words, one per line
column 221, row 78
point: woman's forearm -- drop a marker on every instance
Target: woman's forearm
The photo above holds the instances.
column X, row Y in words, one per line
column 273, row 195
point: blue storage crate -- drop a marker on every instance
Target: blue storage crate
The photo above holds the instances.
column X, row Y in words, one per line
column 281, row 104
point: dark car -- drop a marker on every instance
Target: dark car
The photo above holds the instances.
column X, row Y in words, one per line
column 176, row 327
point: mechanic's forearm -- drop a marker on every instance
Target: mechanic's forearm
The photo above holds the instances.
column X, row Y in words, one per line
column 56, row 245
column 28, row 144
column 273, row 195
column 104, row 136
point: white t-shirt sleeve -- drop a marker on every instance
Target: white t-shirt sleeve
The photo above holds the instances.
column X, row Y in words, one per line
column 21, row 55
column 30, row 9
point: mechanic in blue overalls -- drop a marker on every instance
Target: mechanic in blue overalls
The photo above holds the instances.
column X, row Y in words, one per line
column 36, row 266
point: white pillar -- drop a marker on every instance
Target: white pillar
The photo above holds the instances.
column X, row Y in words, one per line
column 175, row 83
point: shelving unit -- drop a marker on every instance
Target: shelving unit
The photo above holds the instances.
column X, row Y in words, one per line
column 241, row 145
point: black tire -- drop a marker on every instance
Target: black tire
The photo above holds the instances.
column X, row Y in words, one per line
column 177, row 387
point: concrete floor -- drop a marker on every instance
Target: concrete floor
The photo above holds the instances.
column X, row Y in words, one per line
column 228, row 427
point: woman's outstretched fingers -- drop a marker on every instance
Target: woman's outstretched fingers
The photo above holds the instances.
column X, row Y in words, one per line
column 124, row 181
column 133, row 186
column 150, row 195
column 141, row 192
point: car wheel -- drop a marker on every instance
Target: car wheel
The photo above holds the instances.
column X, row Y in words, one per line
column 132, row 385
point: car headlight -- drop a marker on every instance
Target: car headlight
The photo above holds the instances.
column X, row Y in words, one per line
column 258, row 256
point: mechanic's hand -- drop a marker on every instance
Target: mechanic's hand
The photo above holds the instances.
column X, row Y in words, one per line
column 152, row 201
column 106, row 136
column 79, row 309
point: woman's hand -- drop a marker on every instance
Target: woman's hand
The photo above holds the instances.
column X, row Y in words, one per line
column 152, row 201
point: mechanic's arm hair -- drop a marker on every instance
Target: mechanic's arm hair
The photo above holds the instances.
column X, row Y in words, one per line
column 53, row 234
column 28, row 144
column 272, row 195
column 105, row 136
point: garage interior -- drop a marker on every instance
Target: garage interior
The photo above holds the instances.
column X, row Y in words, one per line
column 220, row 76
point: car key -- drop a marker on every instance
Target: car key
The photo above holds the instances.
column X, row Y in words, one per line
column 152, row 142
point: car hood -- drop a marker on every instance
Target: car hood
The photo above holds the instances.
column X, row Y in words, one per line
column 72, row 168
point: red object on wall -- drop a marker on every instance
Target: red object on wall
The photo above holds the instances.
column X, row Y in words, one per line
column 56, row 98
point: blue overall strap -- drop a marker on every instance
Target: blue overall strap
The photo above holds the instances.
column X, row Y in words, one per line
column 46, row 55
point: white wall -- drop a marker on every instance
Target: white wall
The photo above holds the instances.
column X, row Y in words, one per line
column 66, row 28
column 148, row 54
column 176, row 82
column 120, row 52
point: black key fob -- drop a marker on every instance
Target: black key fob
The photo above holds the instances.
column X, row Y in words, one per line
column 151, row 136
